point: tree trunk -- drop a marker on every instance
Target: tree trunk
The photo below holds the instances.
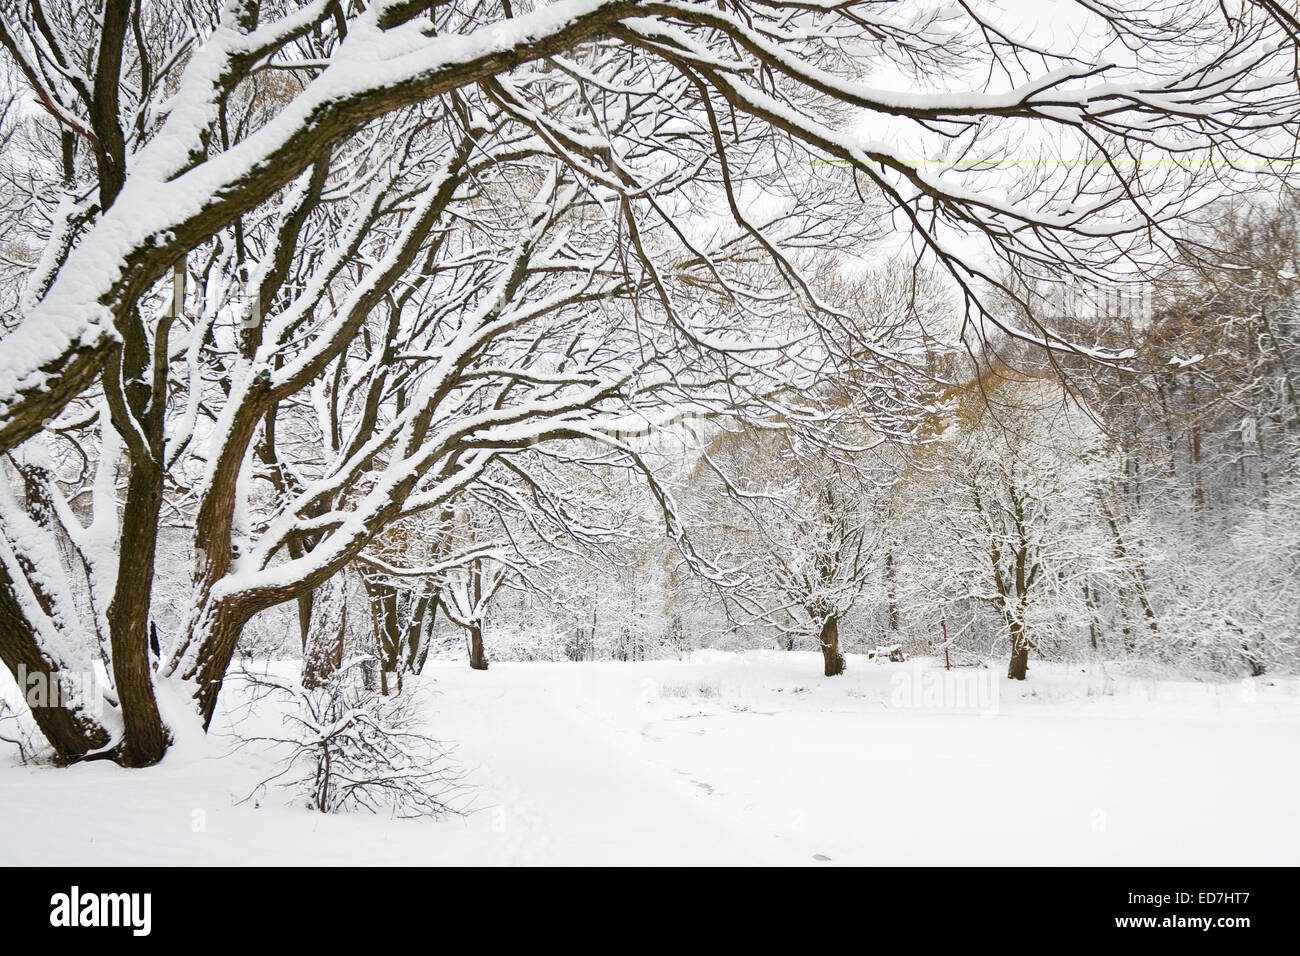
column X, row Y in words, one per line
column 420, row 631
column 69, row 729
column 830, row 641
column 388, row 634
column 1257, row 668
column 324, row 654
column 27, row 610
column 1019, row 652
column 144, row 738
column 1196, row 469
column 1092, row 615
column 477, row 659
column 304, row 618
column 215, row 637
column 891, row 590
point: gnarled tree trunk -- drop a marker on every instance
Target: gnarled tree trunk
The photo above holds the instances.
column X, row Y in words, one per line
column 830, row 641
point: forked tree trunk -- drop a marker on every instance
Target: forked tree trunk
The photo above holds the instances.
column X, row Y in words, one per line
column 477, row 659
column 830, row 641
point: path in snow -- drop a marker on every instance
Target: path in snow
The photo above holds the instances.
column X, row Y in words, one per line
column 739, row 759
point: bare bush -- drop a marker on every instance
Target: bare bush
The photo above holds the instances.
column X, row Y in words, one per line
column 23, row 734
column 347, row 748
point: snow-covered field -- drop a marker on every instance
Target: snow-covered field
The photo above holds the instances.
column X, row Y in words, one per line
column 740, row 758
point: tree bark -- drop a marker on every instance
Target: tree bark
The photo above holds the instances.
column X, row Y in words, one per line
column 324, row 653
column 144, row 738
column 1019, row 652
column 70, row 730
column 1196, row 469
column 830, row 641
column 215, row 636
column 303, row 603
column 388, row 633
column 420, row 631
column 1092, row 615
column 891, row 591
column 477, row 658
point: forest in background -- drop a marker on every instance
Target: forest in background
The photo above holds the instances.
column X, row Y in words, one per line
column 1145, row 514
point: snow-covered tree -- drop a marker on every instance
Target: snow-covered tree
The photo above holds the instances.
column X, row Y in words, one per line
column 294, row 273
column 1011, row 490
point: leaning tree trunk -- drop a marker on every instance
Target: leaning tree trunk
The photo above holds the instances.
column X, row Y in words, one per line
column 28, row 616
column 215, row 638
column 830, row 641
column 303, row 603
column 324, row 654
column 1019, row 652
column 70, row 730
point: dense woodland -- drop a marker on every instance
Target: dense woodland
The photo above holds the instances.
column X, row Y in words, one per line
column 617, row 329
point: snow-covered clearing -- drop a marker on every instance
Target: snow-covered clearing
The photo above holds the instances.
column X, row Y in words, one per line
column 727, row 759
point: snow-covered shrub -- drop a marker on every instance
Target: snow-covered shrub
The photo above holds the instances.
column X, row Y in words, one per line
column 17, row 729
column 345, row 747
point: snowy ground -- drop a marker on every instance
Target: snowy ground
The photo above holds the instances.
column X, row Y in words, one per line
column 750, row 758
